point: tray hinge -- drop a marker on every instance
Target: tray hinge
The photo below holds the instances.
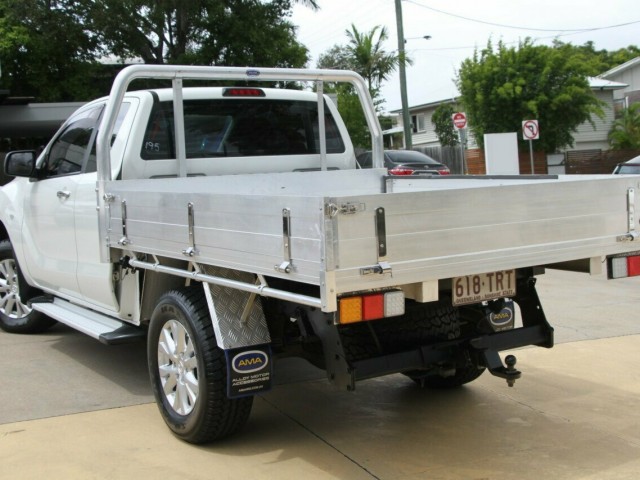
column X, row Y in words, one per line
column 631, row 218
column 331, row 209
column 190, row 251
column 382, row 268
column 286, row 266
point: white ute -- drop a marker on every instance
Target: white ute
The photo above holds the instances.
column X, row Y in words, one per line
column 228, row 227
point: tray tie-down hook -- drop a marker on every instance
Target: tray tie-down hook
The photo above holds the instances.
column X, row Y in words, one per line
column 191, row 250
column 495, row 366
column 287, row 264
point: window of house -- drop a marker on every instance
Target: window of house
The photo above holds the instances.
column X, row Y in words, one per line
column 418, row 123
column 618, row 107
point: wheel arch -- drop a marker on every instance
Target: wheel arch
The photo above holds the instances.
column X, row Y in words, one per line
column 4, row 233
column 156, row 284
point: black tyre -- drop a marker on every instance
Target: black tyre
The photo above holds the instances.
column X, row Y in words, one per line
column 462, row 375
column 188, row 371
column 15, row 315
column 444, row 324
column 421, row 324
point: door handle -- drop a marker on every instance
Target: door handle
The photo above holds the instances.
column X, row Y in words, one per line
column 63, row 194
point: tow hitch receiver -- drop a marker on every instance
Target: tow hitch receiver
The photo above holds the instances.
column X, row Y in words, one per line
column 495, row 366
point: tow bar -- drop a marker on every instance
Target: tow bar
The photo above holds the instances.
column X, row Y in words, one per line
column 495, row 366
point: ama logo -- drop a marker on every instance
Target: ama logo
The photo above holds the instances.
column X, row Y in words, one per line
column 249, row 362
column 504, row 319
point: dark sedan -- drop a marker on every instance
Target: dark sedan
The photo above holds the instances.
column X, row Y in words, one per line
column 406, row 162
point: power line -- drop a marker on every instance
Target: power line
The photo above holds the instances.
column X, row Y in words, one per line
column 574, row 30
column 513, row 42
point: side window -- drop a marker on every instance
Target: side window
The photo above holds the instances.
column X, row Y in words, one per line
column 90, row 165
column 364, row 160
column 74, row 145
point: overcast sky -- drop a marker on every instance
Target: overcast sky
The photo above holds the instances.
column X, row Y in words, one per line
column 456, row 28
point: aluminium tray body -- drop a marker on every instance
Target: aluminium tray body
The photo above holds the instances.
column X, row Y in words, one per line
column 330, row 225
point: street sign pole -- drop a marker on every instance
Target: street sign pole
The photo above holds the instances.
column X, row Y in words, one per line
column 531, row 156
column 531, row 132
column 459, row 120
column 463, row 141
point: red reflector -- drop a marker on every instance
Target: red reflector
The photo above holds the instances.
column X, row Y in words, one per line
column 373, row 307
column 243, row 92
column 633, row 266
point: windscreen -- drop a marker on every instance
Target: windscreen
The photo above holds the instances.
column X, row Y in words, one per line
column 628, row 169
column 240, row 127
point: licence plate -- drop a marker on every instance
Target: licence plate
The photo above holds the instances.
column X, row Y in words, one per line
column 483, row 286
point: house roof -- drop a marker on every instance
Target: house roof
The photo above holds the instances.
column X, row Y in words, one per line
column 597, row 83
column 620, row 68
column 430, row 104
column 393, row 130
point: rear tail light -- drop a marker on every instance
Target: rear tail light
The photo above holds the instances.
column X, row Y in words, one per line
column 372, row 306
column 444, row 171
column 401, row 171
column 623, row 267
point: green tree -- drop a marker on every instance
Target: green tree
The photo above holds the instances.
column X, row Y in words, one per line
column 368, row 56
column 625, row 132
column 204, row 32
column 500, row 88
column 45, row 50
column 595, row 61
column 337, row 57
column 50, row 48
column 365, row 54
column 441, row 120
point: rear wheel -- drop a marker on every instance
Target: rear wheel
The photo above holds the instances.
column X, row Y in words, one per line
column 422, row 324
column 188, row 371
column 15, row 315
column 446, row 325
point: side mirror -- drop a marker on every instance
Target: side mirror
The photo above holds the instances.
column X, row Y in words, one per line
column 20, row 163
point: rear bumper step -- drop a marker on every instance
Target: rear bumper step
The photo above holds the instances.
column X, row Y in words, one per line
column 101, row 327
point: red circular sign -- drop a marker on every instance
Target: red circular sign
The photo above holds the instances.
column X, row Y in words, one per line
column 459, row 120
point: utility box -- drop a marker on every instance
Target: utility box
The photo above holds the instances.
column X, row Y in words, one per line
column 501, row 153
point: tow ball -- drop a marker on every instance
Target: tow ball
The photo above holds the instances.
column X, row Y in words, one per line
column 495, row 366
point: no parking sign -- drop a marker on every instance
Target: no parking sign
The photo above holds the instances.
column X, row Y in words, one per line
column 530, row 130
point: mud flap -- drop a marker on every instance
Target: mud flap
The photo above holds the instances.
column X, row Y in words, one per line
column 241, row 330
column 249, row 370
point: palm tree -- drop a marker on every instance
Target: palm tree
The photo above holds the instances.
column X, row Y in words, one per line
column 312, row 4
column 369, row 58
column 625, row 132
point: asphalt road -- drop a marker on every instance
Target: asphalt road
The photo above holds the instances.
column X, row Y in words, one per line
column 74, row 408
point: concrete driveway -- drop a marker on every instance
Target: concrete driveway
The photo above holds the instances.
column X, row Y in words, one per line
column 73, row 408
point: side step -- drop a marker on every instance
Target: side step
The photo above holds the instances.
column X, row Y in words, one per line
column 101, row 327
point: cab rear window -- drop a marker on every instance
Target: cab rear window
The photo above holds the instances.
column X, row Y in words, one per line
column 240, row 128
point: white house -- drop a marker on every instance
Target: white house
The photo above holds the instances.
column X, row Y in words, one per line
column 629, row 74
column 611, row 92
column 591, row 137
